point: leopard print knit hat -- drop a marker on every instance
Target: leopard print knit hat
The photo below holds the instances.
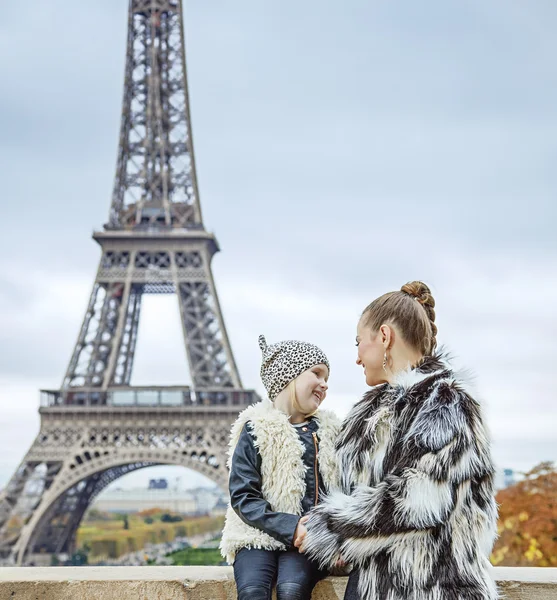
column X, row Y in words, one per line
column 284, row 361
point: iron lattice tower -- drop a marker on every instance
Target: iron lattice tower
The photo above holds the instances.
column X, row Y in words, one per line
column 98, row 427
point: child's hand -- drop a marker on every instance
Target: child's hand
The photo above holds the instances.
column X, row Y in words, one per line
column 339, row 567
column 300, row 533
column 340, row 564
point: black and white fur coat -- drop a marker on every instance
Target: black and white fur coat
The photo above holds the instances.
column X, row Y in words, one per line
column 416, row 514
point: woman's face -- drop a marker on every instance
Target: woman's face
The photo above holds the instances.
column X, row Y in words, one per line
column 371, row 352
column 311, row 388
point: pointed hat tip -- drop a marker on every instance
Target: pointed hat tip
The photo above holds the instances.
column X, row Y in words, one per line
column 262, row 343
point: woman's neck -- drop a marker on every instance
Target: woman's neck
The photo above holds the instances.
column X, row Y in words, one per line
column 403, row 357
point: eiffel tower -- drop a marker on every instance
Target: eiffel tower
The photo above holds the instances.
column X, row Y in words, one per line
column 97, row 427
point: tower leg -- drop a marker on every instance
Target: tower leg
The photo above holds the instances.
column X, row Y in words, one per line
column 207, row 350
column 101, row 327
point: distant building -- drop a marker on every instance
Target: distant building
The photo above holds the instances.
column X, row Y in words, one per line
column 196, row 501
column 509, row 477
column 505, row 478
column 158, row 484
column 138, row 499
column 220, row 507
column 206, row 498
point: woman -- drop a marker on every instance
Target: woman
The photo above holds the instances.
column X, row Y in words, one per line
column 282, row 460
column 416, row 516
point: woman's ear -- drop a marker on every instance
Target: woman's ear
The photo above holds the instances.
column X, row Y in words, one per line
column 387, row 336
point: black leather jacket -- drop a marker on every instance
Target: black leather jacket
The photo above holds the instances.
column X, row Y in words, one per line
column 246, row 497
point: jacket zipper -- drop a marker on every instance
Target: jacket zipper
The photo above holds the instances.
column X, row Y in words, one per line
column 314, row 435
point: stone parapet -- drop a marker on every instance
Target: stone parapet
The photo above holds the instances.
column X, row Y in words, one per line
column 205, row 583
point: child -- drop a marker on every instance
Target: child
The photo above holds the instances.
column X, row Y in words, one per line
column 282, row 460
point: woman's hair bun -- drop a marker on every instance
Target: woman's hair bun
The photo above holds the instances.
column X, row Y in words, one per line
column 421, row 292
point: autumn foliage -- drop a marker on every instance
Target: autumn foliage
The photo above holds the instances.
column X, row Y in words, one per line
column 528, row 521
column 150, row 512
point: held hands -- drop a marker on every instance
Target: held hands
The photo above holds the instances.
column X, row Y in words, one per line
column 300, row 533
column 340, row 564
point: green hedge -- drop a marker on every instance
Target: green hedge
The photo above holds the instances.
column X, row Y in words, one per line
column 111, row 543
column 197, row 556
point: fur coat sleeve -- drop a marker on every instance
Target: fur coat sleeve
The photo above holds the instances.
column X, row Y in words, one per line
column 442, row 445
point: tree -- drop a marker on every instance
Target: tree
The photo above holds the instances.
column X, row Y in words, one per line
column 171, row 518
column 528, row 520
column 79, row 558
column 96, row 515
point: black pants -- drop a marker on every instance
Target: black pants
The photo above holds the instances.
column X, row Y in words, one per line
column 255, row 572
column 351, row 592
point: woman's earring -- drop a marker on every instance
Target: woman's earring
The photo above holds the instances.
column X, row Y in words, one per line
column 385, row 362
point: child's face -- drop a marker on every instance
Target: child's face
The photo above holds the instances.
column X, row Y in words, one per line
column 311, row 388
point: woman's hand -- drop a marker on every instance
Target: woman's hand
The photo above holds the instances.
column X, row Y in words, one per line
column 301, row 532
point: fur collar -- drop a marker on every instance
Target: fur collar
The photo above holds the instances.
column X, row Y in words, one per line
column 375, row 413
column 430, row 366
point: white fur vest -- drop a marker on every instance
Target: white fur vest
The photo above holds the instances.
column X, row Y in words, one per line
column 416, row 514
column 282, row 470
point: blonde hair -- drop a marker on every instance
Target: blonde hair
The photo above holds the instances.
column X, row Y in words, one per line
column 294, row 399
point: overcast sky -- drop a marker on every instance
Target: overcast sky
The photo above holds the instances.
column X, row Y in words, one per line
column 342, row 150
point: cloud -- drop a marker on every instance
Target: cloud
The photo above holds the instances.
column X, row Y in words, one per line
column 40, row 318
column 339, row 153
column 487, row 324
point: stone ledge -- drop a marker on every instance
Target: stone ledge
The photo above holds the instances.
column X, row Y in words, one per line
column 205, row 583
